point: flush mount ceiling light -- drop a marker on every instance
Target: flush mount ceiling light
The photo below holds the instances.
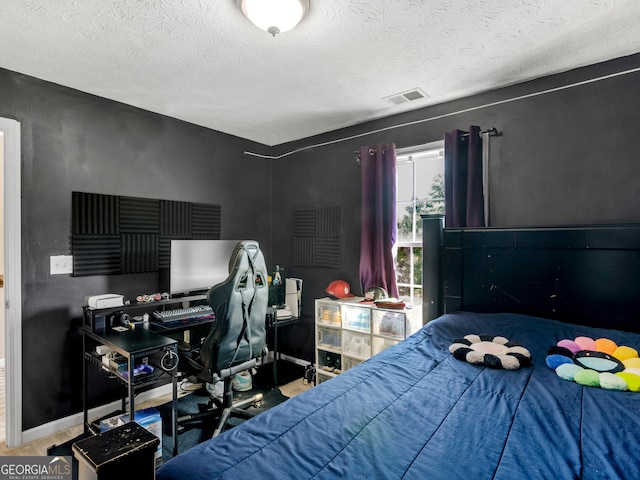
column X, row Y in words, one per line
column 274, row 16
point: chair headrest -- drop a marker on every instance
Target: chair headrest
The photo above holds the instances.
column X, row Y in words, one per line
column 249, row 247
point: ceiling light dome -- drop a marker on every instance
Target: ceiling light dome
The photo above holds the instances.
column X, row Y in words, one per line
column 274, row 16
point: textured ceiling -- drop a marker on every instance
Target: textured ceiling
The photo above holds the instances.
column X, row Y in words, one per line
column 201, row 61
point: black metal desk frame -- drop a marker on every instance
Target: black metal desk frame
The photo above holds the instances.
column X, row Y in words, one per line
column 145, row 340
column 133, row 345
column 141, row 341
column 274, row 322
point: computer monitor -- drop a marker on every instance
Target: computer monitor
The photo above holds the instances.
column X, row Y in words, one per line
column 197, row 265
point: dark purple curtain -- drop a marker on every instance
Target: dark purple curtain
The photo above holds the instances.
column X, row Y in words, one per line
column 379, row 228
column 463, row 197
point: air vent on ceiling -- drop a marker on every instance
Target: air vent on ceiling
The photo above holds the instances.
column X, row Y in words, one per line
column 404, row 97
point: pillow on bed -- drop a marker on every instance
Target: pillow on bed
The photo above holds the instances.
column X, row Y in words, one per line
column 493, row 352
column 596, row 363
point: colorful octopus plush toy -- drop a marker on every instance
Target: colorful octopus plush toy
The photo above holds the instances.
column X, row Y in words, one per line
column 596, row 363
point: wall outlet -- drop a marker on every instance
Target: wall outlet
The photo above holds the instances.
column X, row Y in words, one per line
column 61, row 264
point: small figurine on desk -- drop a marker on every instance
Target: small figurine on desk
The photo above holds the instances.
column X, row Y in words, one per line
column 277, row 276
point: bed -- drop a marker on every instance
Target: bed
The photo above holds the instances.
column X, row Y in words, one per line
column 418, row 411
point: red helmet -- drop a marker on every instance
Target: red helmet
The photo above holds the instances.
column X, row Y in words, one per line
column 339, row 289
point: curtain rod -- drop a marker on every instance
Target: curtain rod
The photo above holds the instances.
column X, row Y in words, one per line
column 492, row 132
column 458, row 112
column 357, row 154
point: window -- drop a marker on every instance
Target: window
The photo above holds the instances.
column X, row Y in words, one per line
column 420, row 189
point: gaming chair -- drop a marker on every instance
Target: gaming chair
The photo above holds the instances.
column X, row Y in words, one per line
column 237, row 339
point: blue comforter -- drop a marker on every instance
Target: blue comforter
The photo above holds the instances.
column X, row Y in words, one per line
column 414, row 411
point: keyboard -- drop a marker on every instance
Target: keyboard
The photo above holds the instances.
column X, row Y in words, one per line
column 180, row 313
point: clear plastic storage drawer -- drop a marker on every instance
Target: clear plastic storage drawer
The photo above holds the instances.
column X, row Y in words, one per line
column 390, row 324
column 321, row 377
column 356, row 318
column 380, row 343
column 350, row 362
column 329, row 338
column 356, row 344
column 329, row 313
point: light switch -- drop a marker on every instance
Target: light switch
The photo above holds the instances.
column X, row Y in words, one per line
column 61, row 264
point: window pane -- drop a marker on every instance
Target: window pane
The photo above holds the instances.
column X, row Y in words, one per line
column 404, row 219
column 429, row 178
column 403, row 267
column 425, row 174
column 404, row 175
column 417, row 296
column 404, row 294
column 417, row 266
column 431, row 190
column 437, row 206
column 431, row 206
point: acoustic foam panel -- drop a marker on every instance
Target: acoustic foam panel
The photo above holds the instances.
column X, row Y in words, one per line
column 316, row 237
column 120, row 234
column 139, row 215
column 175, row 218
column 96, row 255
column 139, row 253
column 94, row 214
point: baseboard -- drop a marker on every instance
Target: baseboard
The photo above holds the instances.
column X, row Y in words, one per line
column 61, row 424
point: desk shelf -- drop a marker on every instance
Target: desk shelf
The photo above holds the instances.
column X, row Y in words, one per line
column 139, row 381
column 99, row 318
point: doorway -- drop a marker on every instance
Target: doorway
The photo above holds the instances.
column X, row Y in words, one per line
column 11, row 227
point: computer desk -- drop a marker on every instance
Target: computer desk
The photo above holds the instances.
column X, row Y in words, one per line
column 148, row 338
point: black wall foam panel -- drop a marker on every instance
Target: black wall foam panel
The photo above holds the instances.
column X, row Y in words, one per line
column 326, row 252
column 316, row 237
column 164, row 250
column 175, row 218
column 139, row 215
column 94, row 214
column 328, row 222
column 304, row 223
column 303, row 251
column 139, row 253
column 96, row 255
column 120, row 234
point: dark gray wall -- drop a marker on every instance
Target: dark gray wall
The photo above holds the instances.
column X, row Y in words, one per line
column 77, row 142
column 567, row 156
